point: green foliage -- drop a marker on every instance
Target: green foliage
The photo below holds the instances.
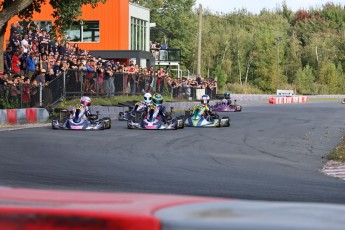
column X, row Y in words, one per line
column 64, row 11
column 219, row 74
column 304, row 80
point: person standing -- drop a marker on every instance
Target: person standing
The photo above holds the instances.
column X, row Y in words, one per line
column 41, row 78
column 16, row 62
column 8, row 60
column 30, row 65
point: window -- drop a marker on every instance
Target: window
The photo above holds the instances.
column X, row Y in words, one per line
column 84, row 31
column 43, row 25
column 138, row 34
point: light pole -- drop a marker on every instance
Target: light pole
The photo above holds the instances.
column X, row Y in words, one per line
column 278, row 41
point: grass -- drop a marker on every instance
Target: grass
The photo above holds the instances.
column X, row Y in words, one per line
column 325, row 99
column 106, row 101
column 338, row 154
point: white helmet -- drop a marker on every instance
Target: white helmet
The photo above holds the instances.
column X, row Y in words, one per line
column 85, row 101
column 147, row 97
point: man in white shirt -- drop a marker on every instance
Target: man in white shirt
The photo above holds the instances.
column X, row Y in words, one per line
column 25, row 44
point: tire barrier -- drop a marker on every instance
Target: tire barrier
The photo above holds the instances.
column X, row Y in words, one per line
column 23, row 116
column 288, row 100
column 53, row 209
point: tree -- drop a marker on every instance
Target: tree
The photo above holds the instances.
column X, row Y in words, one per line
column 177, row 18
column 304, row 80
column 64, row 12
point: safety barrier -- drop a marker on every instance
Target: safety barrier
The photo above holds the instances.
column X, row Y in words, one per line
column 288, row 100
column 23, row 116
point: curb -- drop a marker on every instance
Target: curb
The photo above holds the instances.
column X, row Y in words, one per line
column 334, row 169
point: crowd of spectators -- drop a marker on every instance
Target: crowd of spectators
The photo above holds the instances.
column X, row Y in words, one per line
column 33, row 58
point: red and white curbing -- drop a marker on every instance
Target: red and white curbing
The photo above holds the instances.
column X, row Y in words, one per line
column 23, row 116
column 288, row 100
column 334, row 169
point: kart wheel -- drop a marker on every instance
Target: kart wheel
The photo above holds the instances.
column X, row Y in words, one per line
column 238, row 108
column 121, row 116
column 102, row 124
column 107, row 122
column 54, row 121
column 225, row 122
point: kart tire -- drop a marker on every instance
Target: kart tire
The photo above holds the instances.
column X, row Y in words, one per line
column 102, row 124
column 107, row 122
column 53, row 126
column 239, row 110
column 227, row 123
column 121, row 116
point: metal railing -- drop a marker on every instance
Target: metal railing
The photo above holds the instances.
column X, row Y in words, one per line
column 73, row 84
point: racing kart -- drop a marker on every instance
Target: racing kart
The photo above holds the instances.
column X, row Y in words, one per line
column 124, row 116
column 220, row 107
column 149, row 119
column 78, row 121
column 196, row 118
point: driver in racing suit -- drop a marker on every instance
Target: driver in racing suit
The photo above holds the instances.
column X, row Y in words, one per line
column 227, row 99
column 157, row 101
column 205, row 99
column 85, row 102
column 142, row 105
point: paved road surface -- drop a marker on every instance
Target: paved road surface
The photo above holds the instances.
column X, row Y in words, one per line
column 271, row 152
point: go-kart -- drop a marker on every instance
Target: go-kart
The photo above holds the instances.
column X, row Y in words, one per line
column 150, row 119
column 221, row 107
column 124, row 116
column 196, row 118
column 77, row 121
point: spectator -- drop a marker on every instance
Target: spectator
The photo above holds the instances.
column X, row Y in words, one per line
column 8, row 60
column 89, row 82
column 15, row 42
column 30, row 65
column 25, row 44
column 50, row 76
column 4, row 79
column 16, row 62
column 26, row 92
column 41, row 78
column 22, row 62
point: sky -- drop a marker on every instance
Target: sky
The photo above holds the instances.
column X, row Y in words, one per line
column 255, row 6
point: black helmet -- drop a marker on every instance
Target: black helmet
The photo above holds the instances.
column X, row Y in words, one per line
column 227, row 95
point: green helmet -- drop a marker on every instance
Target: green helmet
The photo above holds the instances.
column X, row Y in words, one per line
column 157, row 99
column 227, row 95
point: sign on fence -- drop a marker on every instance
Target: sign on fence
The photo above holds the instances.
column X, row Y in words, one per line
column 199, row 93
column 285, row 93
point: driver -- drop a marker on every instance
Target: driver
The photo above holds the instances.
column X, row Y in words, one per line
column 85, row 102
column 142, row 104
column 205, row 99
column 227, row 99
column 157, row 101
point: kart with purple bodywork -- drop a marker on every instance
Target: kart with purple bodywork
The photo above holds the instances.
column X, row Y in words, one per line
column 221, row 107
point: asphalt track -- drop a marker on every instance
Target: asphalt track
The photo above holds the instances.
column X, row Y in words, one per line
column 270, row 152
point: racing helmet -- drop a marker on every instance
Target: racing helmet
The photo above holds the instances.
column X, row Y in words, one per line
column 205, row 99
column 147, row 98
column 227, row 95
column 157, row 99
column 85, row 101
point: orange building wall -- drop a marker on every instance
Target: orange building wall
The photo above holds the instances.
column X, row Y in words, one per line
column 113, row 17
